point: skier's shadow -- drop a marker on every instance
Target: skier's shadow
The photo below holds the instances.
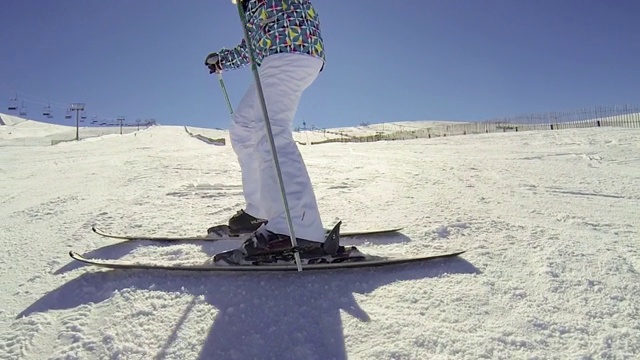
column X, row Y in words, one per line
column 261, row 315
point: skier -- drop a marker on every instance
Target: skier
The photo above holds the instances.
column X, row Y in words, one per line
column 289, row 53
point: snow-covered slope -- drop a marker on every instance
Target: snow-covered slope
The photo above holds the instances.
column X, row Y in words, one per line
column 10, row 120
column 320, row 135
column 549, row 220
column 17, row 131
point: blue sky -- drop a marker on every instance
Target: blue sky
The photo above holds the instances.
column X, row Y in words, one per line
column 386, row 60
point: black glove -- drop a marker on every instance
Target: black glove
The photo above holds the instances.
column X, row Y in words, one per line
column 213, row 63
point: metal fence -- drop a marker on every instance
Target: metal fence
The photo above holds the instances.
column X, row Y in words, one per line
column 626, row 116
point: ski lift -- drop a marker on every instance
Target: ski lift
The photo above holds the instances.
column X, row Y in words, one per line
column 23, row 110
column 68, row 114
column 83, row 116
column 13, row 103
column 47, row 112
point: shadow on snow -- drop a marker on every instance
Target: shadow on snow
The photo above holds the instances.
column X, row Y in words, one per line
column 261, row 315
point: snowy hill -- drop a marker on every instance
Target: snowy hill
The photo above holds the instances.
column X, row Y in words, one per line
column 20, row 131
column 10, row 120
column 309, row 136
column 17, row 131
column 549, row 221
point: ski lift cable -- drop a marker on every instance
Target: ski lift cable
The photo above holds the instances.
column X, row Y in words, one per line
column 36, row 100
column 39, row 101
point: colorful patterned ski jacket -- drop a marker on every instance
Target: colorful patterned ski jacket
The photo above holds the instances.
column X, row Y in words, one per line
column 276, row 26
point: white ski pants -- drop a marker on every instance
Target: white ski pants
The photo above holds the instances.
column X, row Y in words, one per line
column 283, row 77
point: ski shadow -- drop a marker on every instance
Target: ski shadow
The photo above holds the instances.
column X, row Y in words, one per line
column 260, row 315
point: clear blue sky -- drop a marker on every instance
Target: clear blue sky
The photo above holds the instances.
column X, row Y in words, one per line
column 386, row 60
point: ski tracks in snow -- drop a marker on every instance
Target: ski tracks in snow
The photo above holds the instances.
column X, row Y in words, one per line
column 548, row 219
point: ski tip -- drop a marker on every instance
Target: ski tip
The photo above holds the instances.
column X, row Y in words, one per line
column 78, row 257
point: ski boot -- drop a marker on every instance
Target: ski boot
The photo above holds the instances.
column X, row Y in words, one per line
column 240, row 223
column 264, row 248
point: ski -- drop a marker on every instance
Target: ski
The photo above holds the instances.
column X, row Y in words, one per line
column 368, row 261
column 223, row 234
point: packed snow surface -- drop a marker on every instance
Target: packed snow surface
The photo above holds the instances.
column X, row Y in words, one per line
column 550, row 221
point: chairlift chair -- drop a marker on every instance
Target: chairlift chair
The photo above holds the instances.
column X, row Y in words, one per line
column 23, row 110
column 12, row 105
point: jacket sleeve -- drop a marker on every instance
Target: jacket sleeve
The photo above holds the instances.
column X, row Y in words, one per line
column 234, row 58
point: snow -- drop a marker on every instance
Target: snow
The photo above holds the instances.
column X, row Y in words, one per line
column 24, row 132
column 549, row 219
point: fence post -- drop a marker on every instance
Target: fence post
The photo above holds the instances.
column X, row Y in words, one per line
column 627, row 119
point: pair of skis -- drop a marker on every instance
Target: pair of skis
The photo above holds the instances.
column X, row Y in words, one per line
column 223, row 234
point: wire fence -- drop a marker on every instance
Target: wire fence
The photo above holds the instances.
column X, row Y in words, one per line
column 625, row 116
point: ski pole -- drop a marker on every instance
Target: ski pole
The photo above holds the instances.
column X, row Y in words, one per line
column 254, row 68
column 224, row 92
